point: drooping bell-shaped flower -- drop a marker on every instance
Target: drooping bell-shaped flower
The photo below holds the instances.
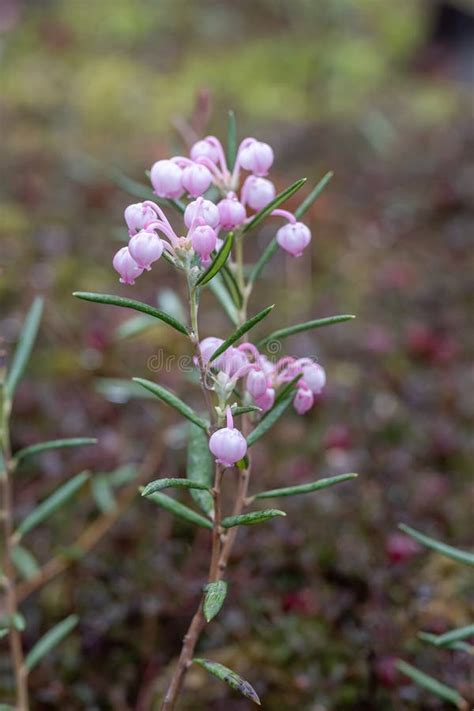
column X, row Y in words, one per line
column 196, row 179
column 257, row 157
column 256, row 383
column 166, row 178
column 203, row 239
column 205, row 148
column 314, row 376
column 228, row 444
column 294, row 238
column 126, row 266
column 206, row 210
column 267, row 400
column 145, row 248
column 231, row 212
column 303, row 400
column 233, row 360
column 258, row 192
column 137, row 216
column 208, row 346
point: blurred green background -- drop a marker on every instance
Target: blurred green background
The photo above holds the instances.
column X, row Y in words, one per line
column 321, row 603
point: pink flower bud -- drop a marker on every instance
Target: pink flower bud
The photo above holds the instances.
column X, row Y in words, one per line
column 196, row 179
column 256, row 383
column 231, row 212
column 126, row 266
column 293, row 238
column 266, row 401
column 145, row 248
column 303, row 400
column 228, row 444
column 257, row 157
column 166, row 178
column 203, row 239
column 314, row 377
column 233, row 360
column 204, row 149
column 205, row 210
column 208, row 346
column 258, row 192
column 137, row 217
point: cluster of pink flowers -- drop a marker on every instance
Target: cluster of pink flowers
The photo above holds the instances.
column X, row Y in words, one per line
column 239, row 196
column 261, row 378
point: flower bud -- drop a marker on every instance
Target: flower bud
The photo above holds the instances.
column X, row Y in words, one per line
column 126, row 266
column 145, row 248
column 314, row 377
column 303, row 400
column 259, row 192
column 166, row 178
column 204, row 149
column 267, row 400
column 205, row 210
column 256, row 383
column 233, row 360
column 203, row 239
column 228, row 444
column 208, row 346
column 231, row 213
column 137, row 216
column 257, row 157
column 196, row 179
column 293, row 238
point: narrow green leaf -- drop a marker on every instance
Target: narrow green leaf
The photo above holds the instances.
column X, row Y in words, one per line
column 231, row 678
column 139, row 190
column 269, row 420
column 132, row 304
column 299, row 212
column 307, row 326
column 247, row 326
column 179, row 510
column 24, row 561
column 102, row 493
column 433, row 685
column 249, row 519
column 455, row 646
column 218, row 261
column 52, row 503
column 231, row 140
column 315, row 193
column 172, row 483
column 274, row 204
column 236, row 411
column 215, row 594
column 305, row 488
column 449, row 551
column 50, row 640
column 173, row 401
column 219, row 290
column 200, row 468
column 24, row 346
column 232, row 286
column 52, row 444
column 455, row 635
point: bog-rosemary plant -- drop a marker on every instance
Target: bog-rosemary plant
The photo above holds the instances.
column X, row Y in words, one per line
column 222, row 197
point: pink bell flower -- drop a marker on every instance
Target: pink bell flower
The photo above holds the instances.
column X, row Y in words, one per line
column 203, row 239
column 204, row 210
column 228, row 444
column 257, row 192
column 205, row 148
column 294, row 238
column 166, row 178
column 196, row 179
column 126, row 266
column 303, row 400
column 314, row 376
column 267, row 400
column 145, row 248
column 233, row 361
column 137, row 216
column 256, row 383
column 257, row 157
column 231, row 212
